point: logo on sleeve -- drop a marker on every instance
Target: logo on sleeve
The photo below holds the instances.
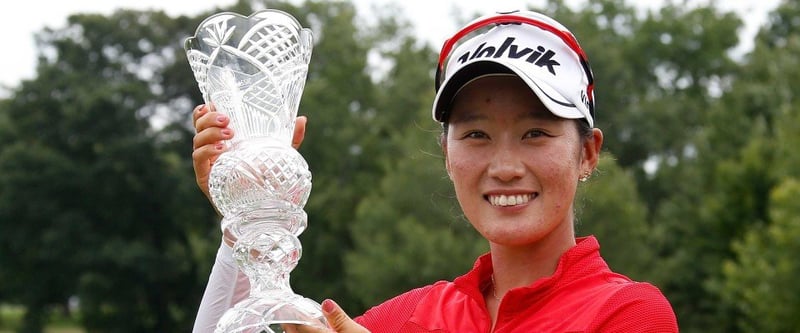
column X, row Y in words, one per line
column 540, row 56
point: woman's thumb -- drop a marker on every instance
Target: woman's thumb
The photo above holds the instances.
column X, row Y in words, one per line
column 338, row 320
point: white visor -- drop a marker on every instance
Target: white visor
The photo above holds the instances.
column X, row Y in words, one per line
column 548, row 65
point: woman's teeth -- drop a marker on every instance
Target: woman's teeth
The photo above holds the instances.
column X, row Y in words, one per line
column 509, row 200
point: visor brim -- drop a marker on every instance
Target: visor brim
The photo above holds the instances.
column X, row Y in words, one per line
column 555, row 102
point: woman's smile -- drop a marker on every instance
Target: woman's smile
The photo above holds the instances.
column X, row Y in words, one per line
column 506, row 200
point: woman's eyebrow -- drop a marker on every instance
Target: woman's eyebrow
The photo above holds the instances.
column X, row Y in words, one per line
column 539, row 114
column 467, row 116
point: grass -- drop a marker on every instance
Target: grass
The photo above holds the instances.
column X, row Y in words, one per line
column 11, row 316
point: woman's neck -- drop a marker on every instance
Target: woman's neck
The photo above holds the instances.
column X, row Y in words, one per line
column 518, row 266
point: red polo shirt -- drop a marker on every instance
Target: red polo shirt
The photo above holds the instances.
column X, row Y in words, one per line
column 583, row 295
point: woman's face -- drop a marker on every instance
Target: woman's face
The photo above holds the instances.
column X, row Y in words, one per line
column 515, row 166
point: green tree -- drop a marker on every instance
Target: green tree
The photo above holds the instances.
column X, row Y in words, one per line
column 724, row 191
column 656, row 74
column 95, row 202
column 758, row 277
column 609, row 207
column 760, row 283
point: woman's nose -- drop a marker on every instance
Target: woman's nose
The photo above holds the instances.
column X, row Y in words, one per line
column 506, row 165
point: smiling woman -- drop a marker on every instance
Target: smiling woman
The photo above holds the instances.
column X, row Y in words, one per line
column 515, row 101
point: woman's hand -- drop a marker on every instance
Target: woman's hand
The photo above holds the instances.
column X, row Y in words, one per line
column 338, row 322
column 211, row 128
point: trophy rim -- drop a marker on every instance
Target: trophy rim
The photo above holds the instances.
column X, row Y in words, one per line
column 279, row 16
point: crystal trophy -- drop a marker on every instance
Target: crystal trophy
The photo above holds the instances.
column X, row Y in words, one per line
column 253, row 69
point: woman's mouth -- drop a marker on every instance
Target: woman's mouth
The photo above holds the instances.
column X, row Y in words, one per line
column 503, row 200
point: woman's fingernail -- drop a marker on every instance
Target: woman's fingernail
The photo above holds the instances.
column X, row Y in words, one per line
column 226, row 132
column 219, row 146
column 221, row 119
column 328, row 306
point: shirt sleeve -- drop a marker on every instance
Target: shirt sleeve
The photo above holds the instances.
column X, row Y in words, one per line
column 393, row 315
column 226, row 286
column 640, row 307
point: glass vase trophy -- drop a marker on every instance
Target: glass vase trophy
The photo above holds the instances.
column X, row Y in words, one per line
column 253, row 69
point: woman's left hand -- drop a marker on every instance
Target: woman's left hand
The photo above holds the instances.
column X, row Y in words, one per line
column 338, row 322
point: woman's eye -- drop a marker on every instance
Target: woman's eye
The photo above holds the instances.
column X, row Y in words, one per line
column 475, row 135
column 535, row 133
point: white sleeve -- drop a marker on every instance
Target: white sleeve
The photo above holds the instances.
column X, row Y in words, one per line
column 227, row 285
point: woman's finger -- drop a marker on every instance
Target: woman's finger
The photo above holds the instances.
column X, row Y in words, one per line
column 211, row 136
column 299, row 131
column 198, row 112
column 338, row 320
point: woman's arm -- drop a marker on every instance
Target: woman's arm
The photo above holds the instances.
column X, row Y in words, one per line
column 227, row 285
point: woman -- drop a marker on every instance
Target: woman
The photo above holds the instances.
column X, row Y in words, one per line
column 514, row 97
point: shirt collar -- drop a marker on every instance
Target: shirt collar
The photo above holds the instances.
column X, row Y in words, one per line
column 584, row 255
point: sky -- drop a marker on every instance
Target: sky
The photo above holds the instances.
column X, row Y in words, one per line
column 19, row 58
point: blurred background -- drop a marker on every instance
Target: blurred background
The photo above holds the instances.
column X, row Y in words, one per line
column 103, row 229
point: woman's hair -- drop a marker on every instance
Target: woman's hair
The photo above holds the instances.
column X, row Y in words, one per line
column 584, row 130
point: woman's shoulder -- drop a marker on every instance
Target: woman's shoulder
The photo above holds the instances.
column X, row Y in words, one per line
column 392, row 314
column 636, row 307
column 408, row 298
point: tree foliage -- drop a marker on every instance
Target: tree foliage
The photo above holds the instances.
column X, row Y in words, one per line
column 760, row 282
column 90, row 197
column 609, row 207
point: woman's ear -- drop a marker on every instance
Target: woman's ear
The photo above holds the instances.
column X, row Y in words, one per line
column 591, row 151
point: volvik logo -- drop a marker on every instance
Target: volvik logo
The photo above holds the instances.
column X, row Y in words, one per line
column 585, row 99
column 540, row 57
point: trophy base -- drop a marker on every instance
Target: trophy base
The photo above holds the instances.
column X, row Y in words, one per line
column 265, row 313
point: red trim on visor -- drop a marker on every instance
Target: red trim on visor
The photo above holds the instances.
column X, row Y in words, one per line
column 500, row 19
